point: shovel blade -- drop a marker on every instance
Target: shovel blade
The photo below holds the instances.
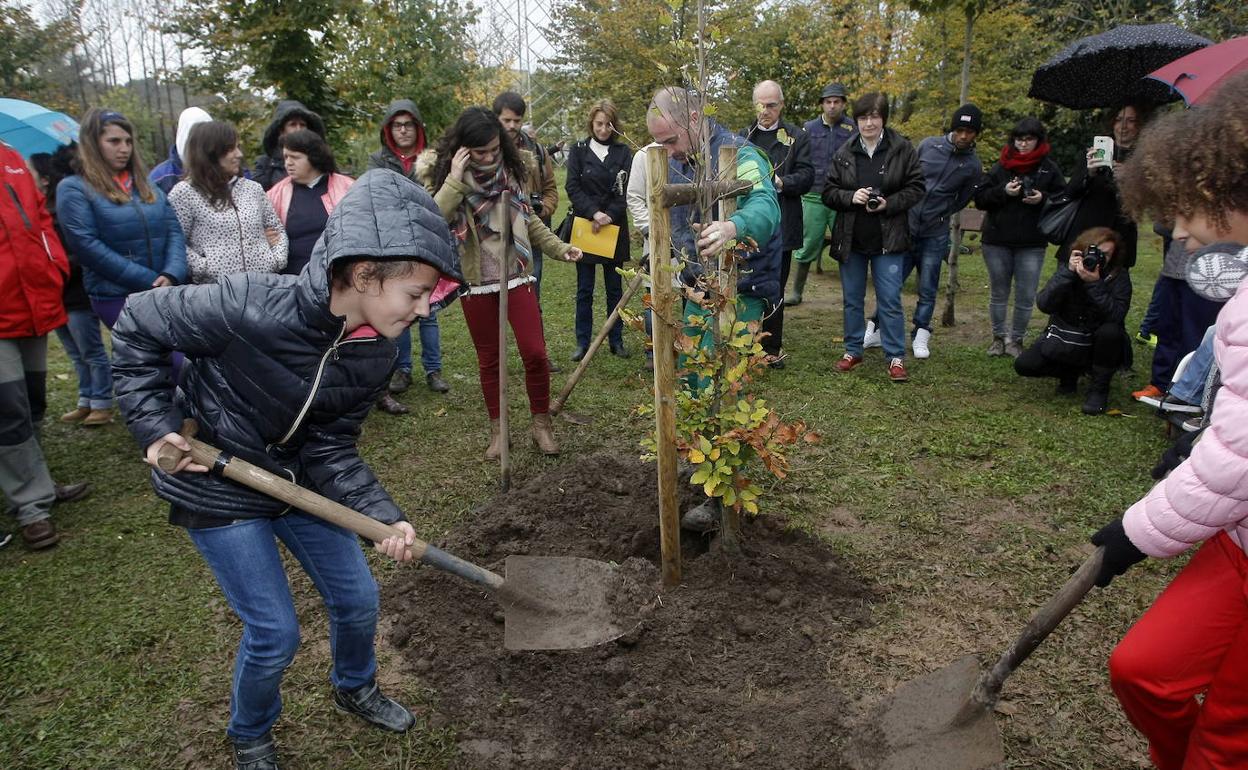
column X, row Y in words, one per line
column 913, row 728
column 564, row 603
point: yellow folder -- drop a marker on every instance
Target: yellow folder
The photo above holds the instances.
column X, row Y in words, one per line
column 599, row 244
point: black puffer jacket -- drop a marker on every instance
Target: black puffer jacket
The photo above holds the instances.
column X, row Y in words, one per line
column 270, row 167
column 1076, row 304
column 271, row 375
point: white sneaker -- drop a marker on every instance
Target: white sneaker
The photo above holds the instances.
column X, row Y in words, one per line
column 919, row 345
column 872, row 338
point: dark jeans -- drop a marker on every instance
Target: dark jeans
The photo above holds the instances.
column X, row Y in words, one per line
column 1108, row 343
column 613, row 285
column 1182, row 318
column 773, row 321
column 248, row 566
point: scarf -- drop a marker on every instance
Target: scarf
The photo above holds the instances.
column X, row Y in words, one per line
column 487, row 184
column 1023, row 162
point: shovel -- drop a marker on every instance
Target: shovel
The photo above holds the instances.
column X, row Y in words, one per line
column 549, row 603
column 556, row 406
column 944, row 720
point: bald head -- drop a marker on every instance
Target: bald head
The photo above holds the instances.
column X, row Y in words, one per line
column 675, row 121
column 768, row 103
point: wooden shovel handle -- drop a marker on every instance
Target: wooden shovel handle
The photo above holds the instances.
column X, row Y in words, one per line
column 257, row 478
column 1047, row 618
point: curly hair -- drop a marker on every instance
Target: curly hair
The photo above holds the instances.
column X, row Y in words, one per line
column 477, row 127
column 1193, row 161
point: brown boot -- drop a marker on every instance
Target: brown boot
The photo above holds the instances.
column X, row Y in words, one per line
column 41, row 534
column 544, row 435
column 98, row 417
column 495, row 449
column 78, row 415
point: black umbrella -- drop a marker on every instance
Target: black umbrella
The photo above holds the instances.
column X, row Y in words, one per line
column 1103, row 70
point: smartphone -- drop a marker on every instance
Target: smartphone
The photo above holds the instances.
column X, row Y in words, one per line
column 1103, row 151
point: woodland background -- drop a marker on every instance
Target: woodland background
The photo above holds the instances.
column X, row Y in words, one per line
column 347, row 59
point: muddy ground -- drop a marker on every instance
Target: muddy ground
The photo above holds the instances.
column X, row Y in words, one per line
column 736, row 667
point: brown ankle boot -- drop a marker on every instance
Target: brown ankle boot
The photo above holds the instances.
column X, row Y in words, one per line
column 495, row 449
column 544, row 435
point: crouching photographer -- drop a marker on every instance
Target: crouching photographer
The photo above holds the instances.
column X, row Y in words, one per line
column 1087, row 301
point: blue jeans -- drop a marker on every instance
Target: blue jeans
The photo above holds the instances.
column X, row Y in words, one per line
column 1183, row 316
column 886, row 275
column 430, row 346
column 85, row 348
column 245, row 560
column 1190, row 386
column 928, row 255
column 1020, row 265
column 614, row 289
column 537, row 275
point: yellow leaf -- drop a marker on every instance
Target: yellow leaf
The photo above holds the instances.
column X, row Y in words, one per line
column 696, row 456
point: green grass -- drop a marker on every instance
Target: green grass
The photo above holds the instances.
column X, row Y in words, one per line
column 966, row 495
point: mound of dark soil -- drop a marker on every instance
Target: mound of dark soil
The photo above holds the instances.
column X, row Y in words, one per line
column 733, row 668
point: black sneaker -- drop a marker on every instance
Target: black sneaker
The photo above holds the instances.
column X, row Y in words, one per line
column 436, row 383
column 369, row 704
column 256, row 754
column 1096, row 402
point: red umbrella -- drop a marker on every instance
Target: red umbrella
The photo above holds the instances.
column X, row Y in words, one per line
column 1197, row 75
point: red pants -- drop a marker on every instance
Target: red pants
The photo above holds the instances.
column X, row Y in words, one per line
column 481, row 313
column 1194, row 639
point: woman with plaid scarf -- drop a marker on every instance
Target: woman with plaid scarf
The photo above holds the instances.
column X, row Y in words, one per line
column 474, row 164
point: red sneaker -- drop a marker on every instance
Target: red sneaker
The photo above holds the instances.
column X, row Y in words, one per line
column 847, row 362
column 1152, row 391
column 897, row 371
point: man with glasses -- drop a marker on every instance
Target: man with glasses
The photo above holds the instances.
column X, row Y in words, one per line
column 788, row 148
column 402, row 139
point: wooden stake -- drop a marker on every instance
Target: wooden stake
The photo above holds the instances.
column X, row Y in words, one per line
column 730, row 521
column 557, row 405
column 663, row 298
column 504, row 457
column 951, row 287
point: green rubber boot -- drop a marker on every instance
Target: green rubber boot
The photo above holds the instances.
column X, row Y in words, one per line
column 799, row 284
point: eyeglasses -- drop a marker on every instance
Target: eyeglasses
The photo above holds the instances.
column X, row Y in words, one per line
column 406, row 125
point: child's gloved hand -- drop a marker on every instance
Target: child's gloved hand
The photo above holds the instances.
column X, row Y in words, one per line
column 1120, row 552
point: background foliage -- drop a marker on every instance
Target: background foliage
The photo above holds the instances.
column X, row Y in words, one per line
column 347, row 58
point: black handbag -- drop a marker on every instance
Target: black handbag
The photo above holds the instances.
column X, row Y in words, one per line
column 1066, row 346
column 1056, row 217
column 564, row 230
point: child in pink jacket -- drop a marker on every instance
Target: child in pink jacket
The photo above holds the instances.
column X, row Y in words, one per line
column 1193, row 641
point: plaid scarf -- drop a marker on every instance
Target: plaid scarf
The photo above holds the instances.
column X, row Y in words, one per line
column 487, row 184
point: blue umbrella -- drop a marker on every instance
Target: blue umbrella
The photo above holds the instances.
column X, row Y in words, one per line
column 29, row 128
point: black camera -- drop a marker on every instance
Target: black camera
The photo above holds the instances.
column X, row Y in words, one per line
column 535, row 203
column 873, row 198
column 1093, row 259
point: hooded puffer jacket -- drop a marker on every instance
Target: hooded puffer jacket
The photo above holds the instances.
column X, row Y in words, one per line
column 1208, row 493
column 388, row 155
column 33, row 267
column 270, row 168
column 272, row 375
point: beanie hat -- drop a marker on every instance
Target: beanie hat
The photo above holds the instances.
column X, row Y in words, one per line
column 967, row 116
